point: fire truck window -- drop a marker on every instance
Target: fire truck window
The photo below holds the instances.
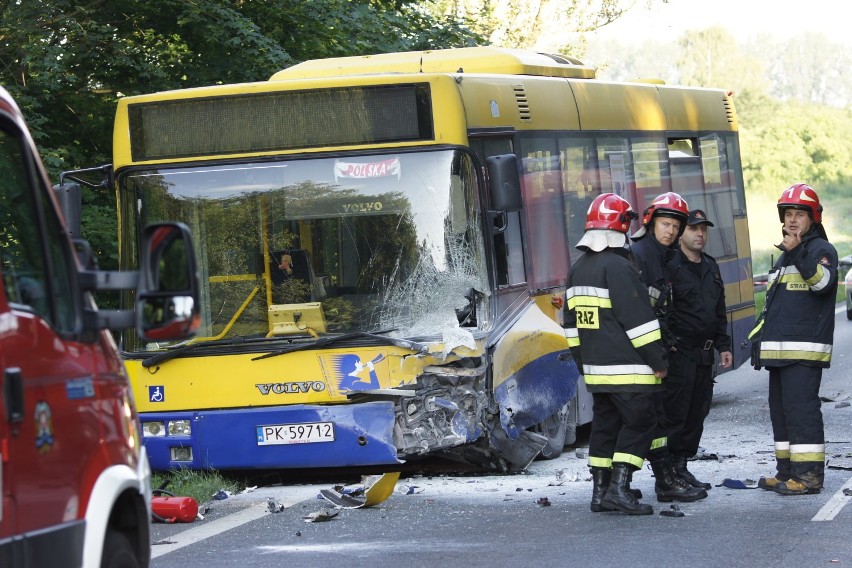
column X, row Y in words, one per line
column 24, row 259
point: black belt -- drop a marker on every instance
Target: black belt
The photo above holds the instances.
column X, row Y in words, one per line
column 706, row 346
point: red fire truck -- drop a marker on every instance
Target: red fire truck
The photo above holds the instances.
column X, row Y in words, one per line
column 75, row 484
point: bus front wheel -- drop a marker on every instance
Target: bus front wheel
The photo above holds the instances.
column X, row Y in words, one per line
column 554, row 429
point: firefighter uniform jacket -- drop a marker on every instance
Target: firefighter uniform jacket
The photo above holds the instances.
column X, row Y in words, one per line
column 609, row 316
column 696, row 316
column 651, row 258
column 798, row 325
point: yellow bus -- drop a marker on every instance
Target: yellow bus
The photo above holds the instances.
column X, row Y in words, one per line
column 384, row 243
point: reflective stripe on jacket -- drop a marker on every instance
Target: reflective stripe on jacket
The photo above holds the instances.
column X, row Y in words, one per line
column 799, row 323
column 611, row 330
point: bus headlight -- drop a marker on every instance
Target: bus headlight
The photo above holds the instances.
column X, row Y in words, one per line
column 153, row 429
column 180, row 428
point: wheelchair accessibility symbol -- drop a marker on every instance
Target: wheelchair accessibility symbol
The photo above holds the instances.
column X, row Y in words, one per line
column 156, row 394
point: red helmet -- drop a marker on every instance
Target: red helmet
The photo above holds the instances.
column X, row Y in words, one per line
column 800, row 196
column 669, row 204
column 609, row 211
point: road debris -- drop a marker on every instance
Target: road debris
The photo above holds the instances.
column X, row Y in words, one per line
column 738, row 483
column 376, row 489
column 543, row 501
column 565, row 476
column 321, row 516
column 274, row 506
column 672, row 511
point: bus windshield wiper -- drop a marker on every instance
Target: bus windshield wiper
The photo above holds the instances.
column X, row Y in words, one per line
column 164, row 356
column 326, row 341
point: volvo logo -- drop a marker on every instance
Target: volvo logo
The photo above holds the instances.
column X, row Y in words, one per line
column 291, row 388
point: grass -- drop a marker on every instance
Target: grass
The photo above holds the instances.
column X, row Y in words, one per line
column 200, row 485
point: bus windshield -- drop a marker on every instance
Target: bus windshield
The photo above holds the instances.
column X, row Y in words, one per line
column 303, row 247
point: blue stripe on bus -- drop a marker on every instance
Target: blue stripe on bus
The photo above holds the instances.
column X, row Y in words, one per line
column 363, row 435
column 740, row 330
column 735, row 270
column 540, row 388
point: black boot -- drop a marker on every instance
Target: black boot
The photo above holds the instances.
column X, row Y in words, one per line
column 679, row 463
column 600, row 483
column 619, row 498
column 670, row 487
column 636, row 492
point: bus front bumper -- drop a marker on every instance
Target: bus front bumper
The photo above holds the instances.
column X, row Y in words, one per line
column 298, row 436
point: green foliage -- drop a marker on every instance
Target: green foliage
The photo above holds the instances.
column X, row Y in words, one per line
column 788, row 142
column 200, row 485
column 67, row 62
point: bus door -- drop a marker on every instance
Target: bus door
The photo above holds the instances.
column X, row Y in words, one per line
column 507, row 243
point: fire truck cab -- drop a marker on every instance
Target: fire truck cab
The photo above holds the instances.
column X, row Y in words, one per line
column 75, row 484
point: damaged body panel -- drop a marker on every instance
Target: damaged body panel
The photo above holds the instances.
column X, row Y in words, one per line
column 534, row 376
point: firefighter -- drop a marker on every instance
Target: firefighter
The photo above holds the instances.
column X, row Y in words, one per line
column 793, row 340
column 615, row 340
column 663, row 222
column 699, row 328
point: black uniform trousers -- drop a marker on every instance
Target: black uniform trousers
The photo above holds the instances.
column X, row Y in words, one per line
column 623, row 425
column 796, row 415
column 687, row 395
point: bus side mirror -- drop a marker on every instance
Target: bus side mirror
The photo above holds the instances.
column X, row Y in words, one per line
column 505, row 182
column 167, row 299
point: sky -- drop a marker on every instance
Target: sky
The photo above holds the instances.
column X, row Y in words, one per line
column 745, row 19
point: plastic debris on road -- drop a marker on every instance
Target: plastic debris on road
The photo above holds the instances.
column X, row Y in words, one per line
column 376, row 489
column 738, row 483
column 672, row 511
column 321, row 516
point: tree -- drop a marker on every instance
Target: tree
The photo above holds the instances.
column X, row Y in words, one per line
column 811, row 68
column 536, row 24
column 68, row 61
column 712, row 58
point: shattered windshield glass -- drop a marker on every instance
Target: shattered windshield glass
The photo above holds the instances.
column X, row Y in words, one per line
column 308, row 247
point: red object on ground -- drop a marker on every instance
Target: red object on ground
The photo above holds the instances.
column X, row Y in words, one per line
column 175, row 509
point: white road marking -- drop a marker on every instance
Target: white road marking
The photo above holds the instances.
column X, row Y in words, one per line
column 835, row 504
column 191, row 536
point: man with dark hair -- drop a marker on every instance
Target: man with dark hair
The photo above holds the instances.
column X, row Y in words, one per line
column 794, row 338
column 663, row 222
column 699, row 328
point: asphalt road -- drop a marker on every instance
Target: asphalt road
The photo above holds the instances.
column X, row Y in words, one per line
column 434, row 520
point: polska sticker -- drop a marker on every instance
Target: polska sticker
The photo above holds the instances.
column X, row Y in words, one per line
column 824, row 261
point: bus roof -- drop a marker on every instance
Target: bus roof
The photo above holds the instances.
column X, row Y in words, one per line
column 498, row 60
